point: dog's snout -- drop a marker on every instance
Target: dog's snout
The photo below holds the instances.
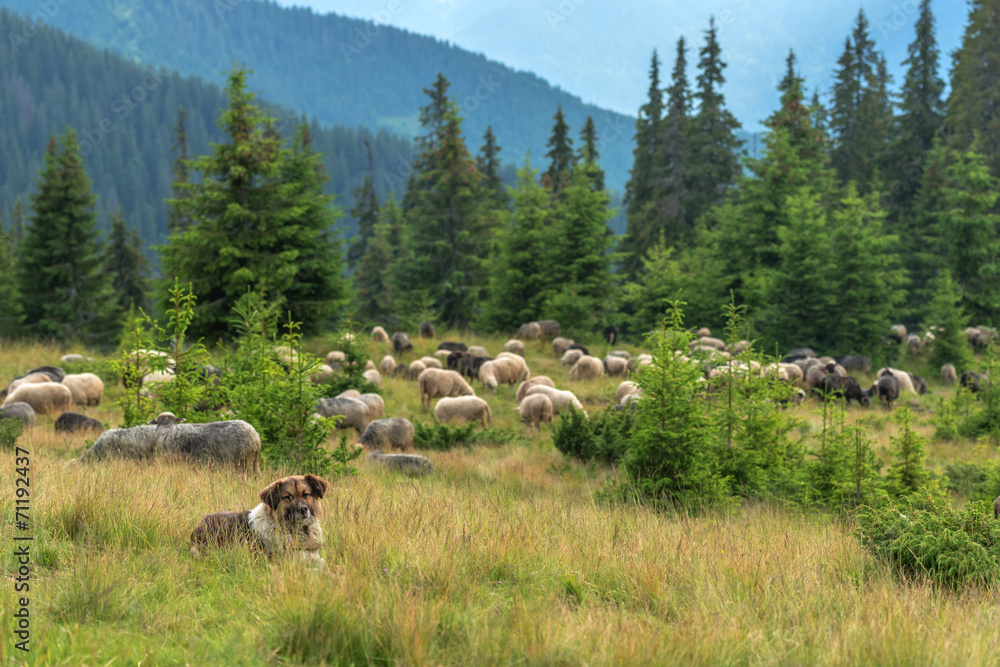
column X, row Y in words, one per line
column 302, row 510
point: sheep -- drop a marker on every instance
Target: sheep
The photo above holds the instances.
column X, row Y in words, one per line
column 335, row 359
column 468, row 366
column 435, row 383
column 235, row 442
column 416, row 368
column 464, row 409
column 353, row 411
column 615, row 365
column 402, row 371
column 522, row 389
column 86, row 388
column 324, row 373
column 523, row 372
column 426, row 330
column 44, row 398
column 799, row 353
column 635, row 364
column 905, row 383
column 401, row 342
column 370, row 365
column 55, row 373
column 431, row 362
column 560, row 399
column 394, row 432
column 30, row 378
column 855, row 363
column 570, row 357
column 136, row 443
column 20, row 411
column 515, row 346
column 587, row 368
column 560, row 345
column 71, row 422
column 919, row 384
column 379, row 335
column 843, row 387
column 973, row 381
column 626, row 388
column 536, row 409
column 388, row 365
column 452, row 346
column 348, row 393
column 478, row 351
column 887, row 388
column 813, row 378
column 948, row 374
column 741, row 346
column 703, row 332
column 578, row 346
column 375, row 405
column 913, row 343
column 792, row 372
column 71, row 358
column 897, row 333
column 414, row 463
column 708, row 341
column 373, row 377
column 550, row 328
column 610, row 334
column 499, row 371
column 529, row 331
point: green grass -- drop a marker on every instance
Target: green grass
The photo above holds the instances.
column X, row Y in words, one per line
column 503, row 556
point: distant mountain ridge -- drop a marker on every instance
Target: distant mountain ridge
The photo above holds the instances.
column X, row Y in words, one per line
column 342, row 71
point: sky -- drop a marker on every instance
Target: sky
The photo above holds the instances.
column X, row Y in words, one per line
column 600, row 50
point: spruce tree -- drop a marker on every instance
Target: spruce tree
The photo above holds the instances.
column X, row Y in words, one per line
column 920, row 246
column 561, row 159
column 11, row 311
column 375, row 286
column 260, row 223
column 588, row 155
column 521, row 273
column 17, row 225
column 433, row 121
column 921, row 111
column 639, row 189
column 176, row 222
column 65, row 291
column 126, row 264
column 946, row 319
column 488, row 164
column 713, row 158
column 974, row 99
column 365, row 212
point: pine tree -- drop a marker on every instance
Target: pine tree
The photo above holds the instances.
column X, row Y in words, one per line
column 260, row 223
column 127, row 265
column 11, row 311
column 488, row 164
column 433, row 121
column 560, row 155
column 945, row 317
column 365, row 211
column 65, row 291
column 375, row 287
column 17, row 225
column 906, row 474
column 974, row 99
column 713, row 159
column 520, row 274
column 588, row 155
column 639, row 189
column 182, row 174
column 921, row 111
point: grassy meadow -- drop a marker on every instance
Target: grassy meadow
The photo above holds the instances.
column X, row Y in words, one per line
column 502, row 556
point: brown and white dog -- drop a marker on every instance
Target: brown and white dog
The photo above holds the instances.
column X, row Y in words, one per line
column 286, row 520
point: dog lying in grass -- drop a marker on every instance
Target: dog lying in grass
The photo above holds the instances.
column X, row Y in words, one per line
column 286, row 520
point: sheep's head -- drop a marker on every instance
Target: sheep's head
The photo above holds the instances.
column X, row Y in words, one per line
column 166, row 419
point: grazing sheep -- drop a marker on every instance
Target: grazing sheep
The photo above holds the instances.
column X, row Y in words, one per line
column 324, row 373
column 44, row 398
column 435, row 383
column 708, row 341
column 401, row 342
column 394, row 433
column 792, row 373
column 379, row 335
column 897, row 333
column 402, row 371
column 887, row 388
column 30, row 378
column 515, row 346
column 454, row 359
column 587, row 368
column 335, row 359
column 560, row 399
column 55, row 373
column 560, row 345
column 610, row 334
column 348, row 393
column 463, row 409
column 86, row 388
column 807, row 364
column 468, row 366
column 500, row 371
column 570, row 357
column 800, row 353
column 948, row 374
column 426, row 330
column 523, row 372
column 582, row 348
column 71, row 422
column 441, row 354
column 71, row 358
column 373, row 377
column 905, row 382
column 353, row 411
column 536, row 409
column 813, row 378
column 919, row 384
column 741, row 346
column 21, row 411
column 529, row 331
column 452, row 346
column 375, row 404
column 637, row 363
column 235, row 442
column 857, row 363
column 370, row 365
column 478, row 351
column 136, row 443
column 550, row 328
column 411, row 463
column 416, row 368
column 522, row 389
column 431, row 362
column 703, row 332
column 973, row 381
column 615, row 365
column 626, row 388
column 387, row 366
column 913, row 343
column 841, row 387
column 624, row 354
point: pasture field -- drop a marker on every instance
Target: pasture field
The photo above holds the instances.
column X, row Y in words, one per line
column 504, row 555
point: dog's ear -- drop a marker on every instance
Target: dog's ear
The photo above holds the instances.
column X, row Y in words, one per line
column 318, row 484
column 271, row 496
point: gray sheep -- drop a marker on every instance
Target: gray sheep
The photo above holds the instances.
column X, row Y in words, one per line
column 401, row 342
column 136, row 443
column 550, row 328
column 434, row 383
column 522, row 389
column 376, row 406
column 234, row 443
column 71, row 422
column 21, row 411
column 413, row 463
column 948, row 374
column 515, row 346
column 353, row 411
column 392, row 433
column 426, row 330
column 560, row 345
column 529, row 331
column 587, row 368
column 536, row 409
column 464, row 409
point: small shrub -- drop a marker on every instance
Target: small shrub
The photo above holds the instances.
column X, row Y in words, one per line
column 10, row 431
column 975, row 481
column 443, row 437
column 604, row 437
column 907, row 473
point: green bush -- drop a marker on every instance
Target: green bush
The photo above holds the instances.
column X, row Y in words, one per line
column 842, row 469
column 443, row 437
column 924, row 535
column 10, row 431
column 350, row 374
column 975, row 481
column 603, row 437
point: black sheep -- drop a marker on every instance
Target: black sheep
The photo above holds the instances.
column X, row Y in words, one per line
column 845, row 387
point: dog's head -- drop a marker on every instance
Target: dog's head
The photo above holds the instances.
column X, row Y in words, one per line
column 295, row 499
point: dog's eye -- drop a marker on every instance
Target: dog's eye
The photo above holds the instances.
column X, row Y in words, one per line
column 305, row 495
column 286, row 497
